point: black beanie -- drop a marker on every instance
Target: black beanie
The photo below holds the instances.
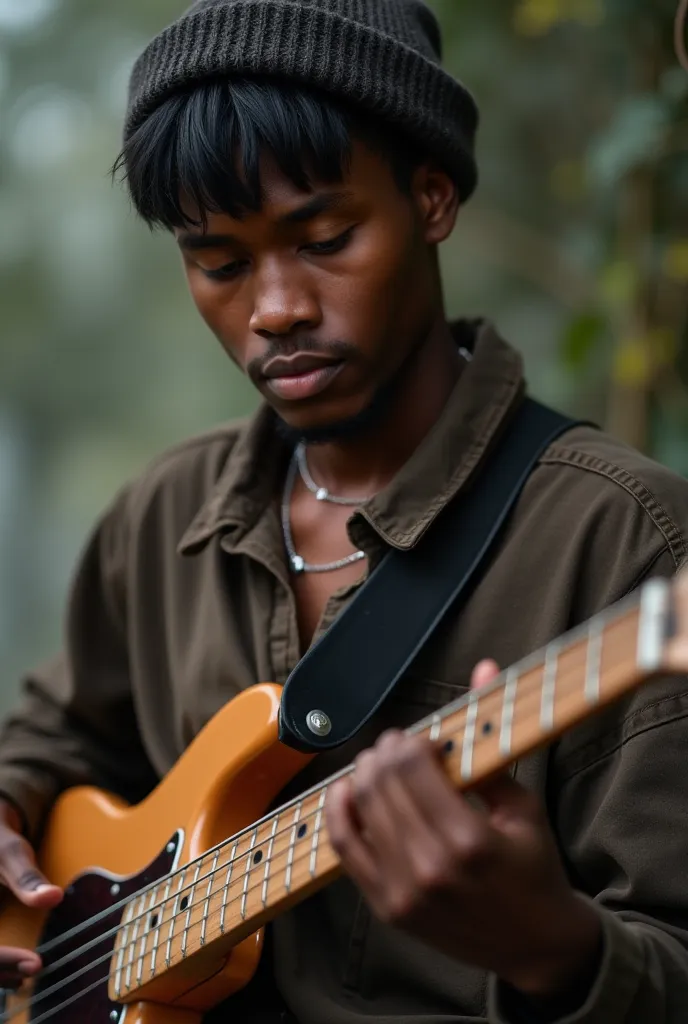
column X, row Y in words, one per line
column 382, row 56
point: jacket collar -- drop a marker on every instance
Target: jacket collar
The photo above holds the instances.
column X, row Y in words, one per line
column 479, row 408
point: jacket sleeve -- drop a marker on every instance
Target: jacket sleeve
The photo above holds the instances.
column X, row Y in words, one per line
column 76, row 722
column 619, row 806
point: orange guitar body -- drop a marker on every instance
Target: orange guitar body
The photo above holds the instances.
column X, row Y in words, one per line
column 226, row 780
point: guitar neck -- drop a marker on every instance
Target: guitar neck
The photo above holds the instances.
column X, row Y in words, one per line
column 238, row 887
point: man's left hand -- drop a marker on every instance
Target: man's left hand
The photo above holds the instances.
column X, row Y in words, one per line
column 483, row 884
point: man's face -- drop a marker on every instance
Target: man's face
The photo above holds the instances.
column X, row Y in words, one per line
column 321, row 296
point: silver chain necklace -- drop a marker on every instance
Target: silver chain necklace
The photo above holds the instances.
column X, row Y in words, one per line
column 322, row 493
column 296, row 562
column 299, row 464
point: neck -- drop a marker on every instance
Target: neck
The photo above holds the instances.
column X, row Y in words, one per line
column 365, row 465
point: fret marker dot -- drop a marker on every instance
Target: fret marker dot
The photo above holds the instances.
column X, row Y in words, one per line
column 184, row 903
column 257, row 856
column 154, row 920
column 448, row 747
column 302, row 831
column 487, row 728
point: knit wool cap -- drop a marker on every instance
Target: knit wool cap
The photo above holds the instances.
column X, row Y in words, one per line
column 382, row 56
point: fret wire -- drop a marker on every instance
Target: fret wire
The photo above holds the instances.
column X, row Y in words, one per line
column 549, row 685
column 173, row 919
column 469, row 738
column 161, row 914
column 508, row 701
column 655, row 606
column 247, row 874
column 120, row 953
column 593, row 663
column 189, row 908
column 316, row 831
column 144, row 943
column 211, row 879
column 268, row 858
column 436, row 727
column 132, row 944
column 292, row 845
column 225, row 888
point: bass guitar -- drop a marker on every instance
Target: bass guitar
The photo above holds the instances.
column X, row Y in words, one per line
column 165, row 902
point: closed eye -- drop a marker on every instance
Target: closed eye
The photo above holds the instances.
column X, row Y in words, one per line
column 332, row 245
column 225, row 273
column 326, row 248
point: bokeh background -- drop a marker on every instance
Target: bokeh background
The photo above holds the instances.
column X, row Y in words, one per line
column 576, row 245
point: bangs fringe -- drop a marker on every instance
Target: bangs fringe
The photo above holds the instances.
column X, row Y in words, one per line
column 200, row 151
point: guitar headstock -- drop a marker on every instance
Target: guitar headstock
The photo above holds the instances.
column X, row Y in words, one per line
column 676, row 650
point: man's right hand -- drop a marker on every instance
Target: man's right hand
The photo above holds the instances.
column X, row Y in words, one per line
column 19, row 873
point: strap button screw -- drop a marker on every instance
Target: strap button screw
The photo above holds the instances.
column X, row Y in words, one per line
column 319, row 723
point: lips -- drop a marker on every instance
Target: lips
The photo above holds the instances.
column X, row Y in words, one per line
column 295, row 366
column 301, row 376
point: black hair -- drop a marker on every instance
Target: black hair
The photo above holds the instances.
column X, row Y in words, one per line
column 205, row 144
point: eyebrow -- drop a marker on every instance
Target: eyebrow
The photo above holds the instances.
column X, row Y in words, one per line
column 322, row 203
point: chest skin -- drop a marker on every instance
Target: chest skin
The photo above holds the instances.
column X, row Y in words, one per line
column 320, row 536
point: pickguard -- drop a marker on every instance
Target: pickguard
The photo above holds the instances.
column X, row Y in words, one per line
column 76, row 991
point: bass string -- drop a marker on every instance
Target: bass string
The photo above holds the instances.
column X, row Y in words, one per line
column 51, row 968
column 137, row 896
column 32, row 1002
column 59, row 940
column 5, row 1017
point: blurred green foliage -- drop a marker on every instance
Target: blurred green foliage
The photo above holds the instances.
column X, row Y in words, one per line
column 576, row 244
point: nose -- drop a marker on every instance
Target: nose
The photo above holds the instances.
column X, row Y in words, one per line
column 283, row 303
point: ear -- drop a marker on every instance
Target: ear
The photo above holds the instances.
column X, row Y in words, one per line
column 437, row 200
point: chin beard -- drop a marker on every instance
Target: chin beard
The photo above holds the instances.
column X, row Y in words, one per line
column 340, row 431
column 355, row 427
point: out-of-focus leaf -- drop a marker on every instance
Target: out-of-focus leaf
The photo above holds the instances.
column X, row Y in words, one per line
column 632, row 363
column 618, row 282
column 580, row 338
column 538, row 17
column 638, row 359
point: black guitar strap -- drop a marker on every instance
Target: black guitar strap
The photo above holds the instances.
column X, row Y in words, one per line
column 348, row 673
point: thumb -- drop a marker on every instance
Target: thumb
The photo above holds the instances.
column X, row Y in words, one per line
column 20, row 873
column 483, row 673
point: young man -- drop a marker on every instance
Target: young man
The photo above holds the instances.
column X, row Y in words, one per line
column 309, row 156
